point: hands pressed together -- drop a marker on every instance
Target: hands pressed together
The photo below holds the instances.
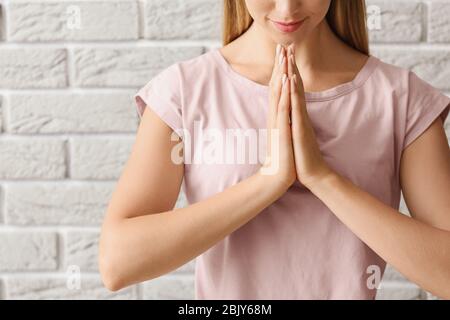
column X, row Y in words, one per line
column 292, row 149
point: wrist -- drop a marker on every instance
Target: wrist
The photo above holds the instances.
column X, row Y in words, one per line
column 275, row 181
column 317, row 182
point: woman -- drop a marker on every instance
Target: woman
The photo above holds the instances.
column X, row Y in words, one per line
column 317, row 218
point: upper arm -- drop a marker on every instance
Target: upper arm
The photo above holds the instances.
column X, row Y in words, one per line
column 150, row 181
column 425, row 176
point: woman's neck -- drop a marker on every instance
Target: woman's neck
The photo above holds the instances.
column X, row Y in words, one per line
column 323, row 60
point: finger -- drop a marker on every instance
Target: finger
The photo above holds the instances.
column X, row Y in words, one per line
column 275, row 91
column 295, row 108
column 278, row 76
column 299, row 113
column 297, row 92
column 297, row 72
column 290, row 72
column 279, row 56
column 283, row 107
column 276, row 62
column 272, row 99
column 290, row 67
column 283, row 65
column 298, row 104
column 282, row 71
column 295, row 88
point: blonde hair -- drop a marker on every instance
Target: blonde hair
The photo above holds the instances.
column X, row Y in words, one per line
column 346, row 18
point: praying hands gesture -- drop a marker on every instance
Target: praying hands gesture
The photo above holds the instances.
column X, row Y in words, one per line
column 293, row 152
column 309, row 162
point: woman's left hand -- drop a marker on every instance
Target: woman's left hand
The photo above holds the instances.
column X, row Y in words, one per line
column 309, row 163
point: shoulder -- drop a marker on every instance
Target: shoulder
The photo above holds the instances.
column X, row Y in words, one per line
column 400, row 79
column 419, row 100
column 199, row 69
column 193, row 66
column 389, row 76
column 189, row 69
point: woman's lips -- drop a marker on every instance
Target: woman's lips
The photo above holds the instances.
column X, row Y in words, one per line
column 287, row 27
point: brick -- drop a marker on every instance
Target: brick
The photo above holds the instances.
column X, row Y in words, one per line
column 33, row 68
column 181, row 201
column 125, row 67
column 169, row 287
column 438, row 22
column 99, row 158
column 2, row 22
column 71, row 113
column 403, row 207
column 180, row 19
column 62, row 287
column 399, row 291
column 57, row 203
column 430, row 296
column 391, row 274
column 431, row 65
column 31, row 251
column 32, row 158
column 2, row 196
column 81, row 249
column 73, row 20
column 399, row 21
column 1, row 114
column 2, row 290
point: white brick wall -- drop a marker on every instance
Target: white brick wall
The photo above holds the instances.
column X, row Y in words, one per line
column 67, row 124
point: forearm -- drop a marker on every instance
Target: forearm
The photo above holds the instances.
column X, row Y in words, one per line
column 419, row 251
column 144, row 247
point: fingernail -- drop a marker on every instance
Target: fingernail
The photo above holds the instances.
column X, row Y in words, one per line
column 280, row 60
column 283, row 80
column 278, row 48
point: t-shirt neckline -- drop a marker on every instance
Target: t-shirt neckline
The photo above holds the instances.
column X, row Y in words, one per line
column 327, row 94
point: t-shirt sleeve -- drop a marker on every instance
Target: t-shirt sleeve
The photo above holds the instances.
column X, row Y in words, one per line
column 162, row 94
column 425, row 104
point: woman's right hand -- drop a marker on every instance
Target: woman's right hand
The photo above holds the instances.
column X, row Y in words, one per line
column 279, row 165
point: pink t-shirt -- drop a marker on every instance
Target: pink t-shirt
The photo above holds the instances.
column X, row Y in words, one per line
column 296, row 248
